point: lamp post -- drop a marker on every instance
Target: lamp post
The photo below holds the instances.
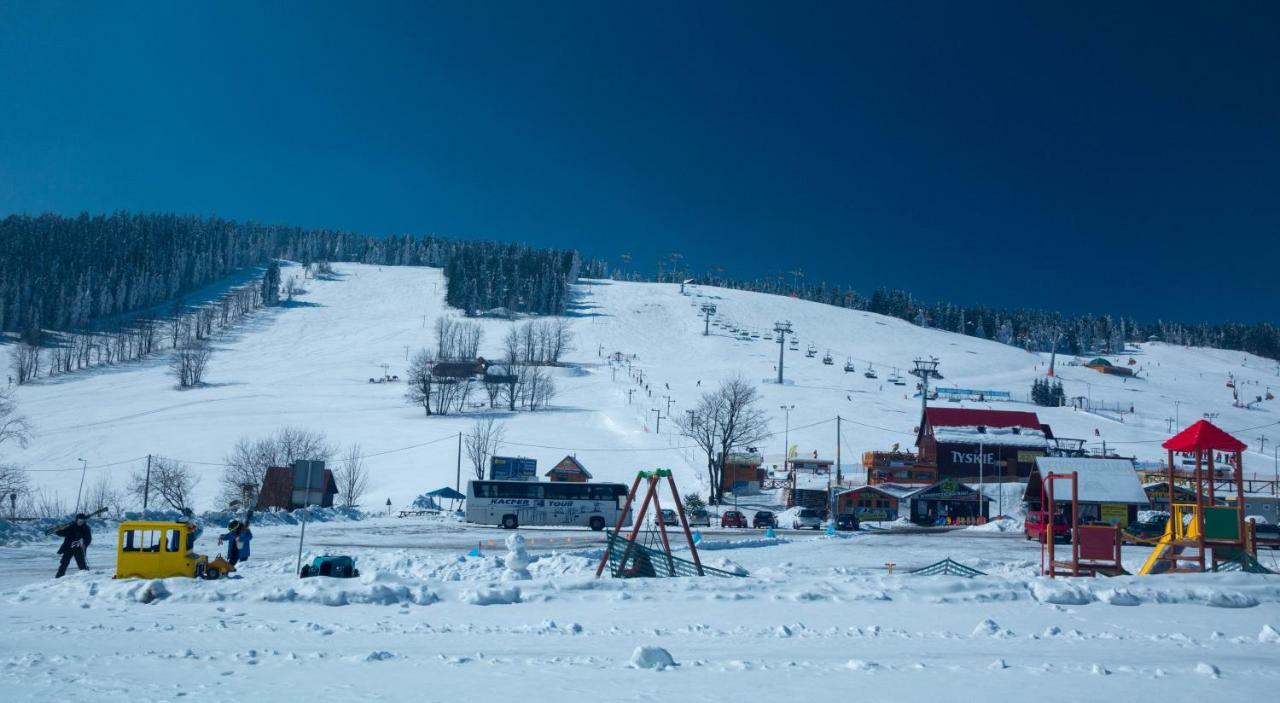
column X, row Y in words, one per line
column 84, row 467
column 786, row 434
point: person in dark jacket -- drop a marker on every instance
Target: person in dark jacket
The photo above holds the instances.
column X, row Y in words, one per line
column 237, row 538
column 75, row 539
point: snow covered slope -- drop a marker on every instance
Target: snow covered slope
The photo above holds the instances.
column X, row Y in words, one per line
column 309, row 366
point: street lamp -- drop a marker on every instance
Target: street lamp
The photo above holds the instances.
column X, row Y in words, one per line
column 84, row 467
column 786, row 434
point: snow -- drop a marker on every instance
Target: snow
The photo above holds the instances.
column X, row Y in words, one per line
column 992, row 436
column 1097, row 480
column 424, row 621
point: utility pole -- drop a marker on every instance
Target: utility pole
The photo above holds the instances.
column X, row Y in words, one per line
column 457, row 481
column 1262, row 440
column 782, row 329
column 629, row 392
column 669, row 402
column 146, row 485
column 303, row 534
column 1177, row 414
column 658, row 429
column 707, row 310
column 925, row 370
column 786, row 435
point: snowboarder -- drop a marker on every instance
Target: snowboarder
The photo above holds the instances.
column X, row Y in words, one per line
column 75, row 539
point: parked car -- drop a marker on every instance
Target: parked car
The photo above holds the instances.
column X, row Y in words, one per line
column 806, row 518
column 1034, row 526
column 732, row 518
column 846, row 522
column 764, row 518
column 699, row 518
column 1151, row 528
column 668, row 517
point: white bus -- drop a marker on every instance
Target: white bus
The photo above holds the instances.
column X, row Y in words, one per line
column 511, row 504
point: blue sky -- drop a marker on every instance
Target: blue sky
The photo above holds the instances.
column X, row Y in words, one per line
column 1105, row 157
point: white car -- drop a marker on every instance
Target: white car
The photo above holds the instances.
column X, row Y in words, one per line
column 806, row 518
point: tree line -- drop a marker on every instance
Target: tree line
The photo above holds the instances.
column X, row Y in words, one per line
column 81, row 273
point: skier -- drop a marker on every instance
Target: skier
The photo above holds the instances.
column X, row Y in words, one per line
column 75, row 539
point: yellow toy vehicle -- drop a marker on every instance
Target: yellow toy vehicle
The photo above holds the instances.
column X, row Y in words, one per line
column 156, row 550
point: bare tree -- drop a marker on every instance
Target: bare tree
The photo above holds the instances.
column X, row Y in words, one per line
column 102, row 494
column 726, row 419
column 539, row 388
column 247, row 462
column 292, row 287
column 481, row 442
column 13, row 425
column 352, row 476
column 171, row 481
column 15, row 482
column 189, row 363
column 419, row 381
column 26, row 362
column 42, row 504
column 702, row 426
column 446, row 338
column 559, row 340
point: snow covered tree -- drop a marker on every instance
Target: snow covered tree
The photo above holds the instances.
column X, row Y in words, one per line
column 271, row 285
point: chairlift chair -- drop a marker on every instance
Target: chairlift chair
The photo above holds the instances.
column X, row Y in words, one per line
column 848, row 366
column 871, row 372
column 826, row 359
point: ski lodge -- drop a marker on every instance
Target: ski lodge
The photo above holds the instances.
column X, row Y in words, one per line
column 1108, row 489
column 970, row 444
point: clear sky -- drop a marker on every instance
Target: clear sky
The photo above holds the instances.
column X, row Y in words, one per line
column 1081, row 156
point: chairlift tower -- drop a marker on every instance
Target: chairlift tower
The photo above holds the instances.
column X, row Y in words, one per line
column 925, row 369
column 707, row 310
column 782, row 329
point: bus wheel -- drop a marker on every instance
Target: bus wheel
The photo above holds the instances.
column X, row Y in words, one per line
column 509, row 522
column 596, row 523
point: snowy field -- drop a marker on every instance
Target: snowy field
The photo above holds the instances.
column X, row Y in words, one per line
column 309, row 366
column 816, row 616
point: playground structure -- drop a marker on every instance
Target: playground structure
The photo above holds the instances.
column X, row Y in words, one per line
column 1202, row 535
column 1095, row 549
column 627, row 557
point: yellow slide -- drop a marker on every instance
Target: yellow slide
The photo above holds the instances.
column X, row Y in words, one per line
column 1175, row 530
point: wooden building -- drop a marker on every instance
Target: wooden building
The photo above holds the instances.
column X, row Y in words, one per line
column 948, row 502
column 973, row 444
column 897, row 467
column 872, row 503
column 744, row 473
column 569, row 470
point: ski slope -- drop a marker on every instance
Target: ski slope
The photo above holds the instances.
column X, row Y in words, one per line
column 309, row 366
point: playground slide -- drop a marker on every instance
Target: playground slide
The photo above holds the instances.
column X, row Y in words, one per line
column 1158, row 562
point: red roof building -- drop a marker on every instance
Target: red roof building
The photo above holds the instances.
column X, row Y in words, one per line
column 969, row 443
column 570, row 470
column 280, row 490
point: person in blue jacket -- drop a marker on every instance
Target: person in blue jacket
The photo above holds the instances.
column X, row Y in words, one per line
column 237, row 538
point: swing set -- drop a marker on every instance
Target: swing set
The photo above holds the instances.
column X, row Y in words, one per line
column 649, row 555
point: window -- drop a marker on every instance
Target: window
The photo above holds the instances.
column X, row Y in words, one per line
column 142, row 540
column 982, row 429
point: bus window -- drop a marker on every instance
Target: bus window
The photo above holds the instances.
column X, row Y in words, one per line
column 602, row 492
column 172, row 540
column 129, row 544
column 557, row 491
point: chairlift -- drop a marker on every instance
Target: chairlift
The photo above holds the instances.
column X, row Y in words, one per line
column 827, row 359
column 812, row 350
column 848, row 366
column 768, row 336
column 871, row 372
